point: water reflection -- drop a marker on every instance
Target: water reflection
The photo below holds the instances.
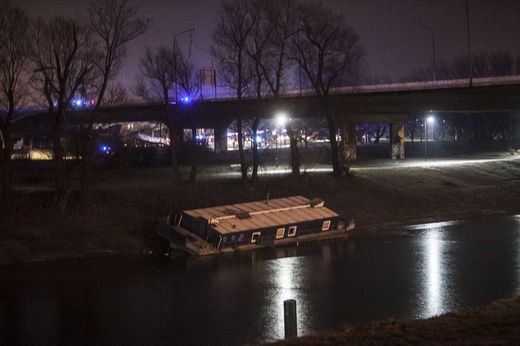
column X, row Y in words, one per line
column 287, row 281
column 433, row 280
column 436, row 271
column 304, row 278
column 408, row 272
column 460, row 266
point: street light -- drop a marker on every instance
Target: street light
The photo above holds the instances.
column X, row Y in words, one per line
column 433, row 43
column 180, row 33
column 281, row 120
column 428, row 120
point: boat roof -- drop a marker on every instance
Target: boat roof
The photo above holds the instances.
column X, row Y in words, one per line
column 249, row 216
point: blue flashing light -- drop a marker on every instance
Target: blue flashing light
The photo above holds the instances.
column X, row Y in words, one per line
column 185, row 99
column 106, row 149
column 78, row 102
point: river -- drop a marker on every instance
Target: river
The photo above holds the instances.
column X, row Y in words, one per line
column 402, row 273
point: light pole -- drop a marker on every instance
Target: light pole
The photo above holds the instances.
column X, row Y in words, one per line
column 469, row 48
column 428, row 120
column 433, row 43
column 180, row 33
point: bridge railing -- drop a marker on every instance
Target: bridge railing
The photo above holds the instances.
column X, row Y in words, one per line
column 440, row 84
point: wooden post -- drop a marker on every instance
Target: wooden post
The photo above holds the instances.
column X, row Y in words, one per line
column 290, row 321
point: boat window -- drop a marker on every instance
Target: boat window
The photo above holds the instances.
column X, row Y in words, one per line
column 326, row 225
column 292, row 231
column 280, row 232
column 254, row 236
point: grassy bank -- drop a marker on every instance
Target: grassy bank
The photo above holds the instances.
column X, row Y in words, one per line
column 121, row 212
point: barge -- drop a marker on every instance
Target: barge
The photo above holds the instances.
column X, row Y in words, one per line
column 252, row 225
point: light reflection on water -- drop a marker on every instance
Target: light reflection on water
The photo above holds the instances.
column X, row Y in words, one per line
column 456, row 262
column 409, row 272
column 288, row 282
column 435, row 271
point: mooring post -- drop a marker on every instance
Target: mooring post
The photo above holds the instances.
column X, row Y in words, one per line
column 289, row 309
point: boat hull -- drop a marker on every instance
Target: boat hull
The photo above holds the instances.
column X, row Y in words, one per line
column 184, row 240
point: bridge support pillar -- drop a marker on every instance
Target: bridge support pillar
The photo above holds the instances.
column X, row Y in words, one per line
column 397, row 136
column 348, row 149
column 220, row 134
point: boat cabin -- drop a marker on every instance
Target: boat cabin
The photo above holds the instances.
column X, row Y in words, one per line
column 260, row 223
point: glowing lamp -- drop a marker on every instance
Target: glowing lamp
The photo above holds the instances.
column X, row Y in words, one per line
column 281, row 118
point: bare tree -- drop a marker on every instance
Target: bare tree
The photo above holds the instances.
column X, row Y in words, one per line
column 115, row 95
column 411, row 126
column 14, row 53
column 63, row 51
column 252, row 52
column 280, row 23
column 71, row 56
column 256, row 46
column 234, row 24
column 155, row 84
column 156, row 80
column 189, row 83
column 378, row 131
column 328, row 51
column 273, row 25
column 161, row 70
column 186, row 78
column 114, row 23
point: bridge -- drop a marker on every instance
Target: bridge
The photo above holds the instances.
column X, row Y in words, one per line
column 390, row 103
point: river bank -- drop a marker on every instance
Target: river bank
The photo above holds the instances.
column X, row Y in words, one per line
column 495, row 324
column 120, row 215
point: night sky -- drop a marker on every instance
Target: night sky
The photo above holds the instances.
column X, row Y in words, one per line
column 395, row 43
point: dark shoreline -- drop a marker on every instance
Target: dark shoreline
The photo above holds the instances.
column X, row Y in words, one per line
column 460, row 180
column 116, row 222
